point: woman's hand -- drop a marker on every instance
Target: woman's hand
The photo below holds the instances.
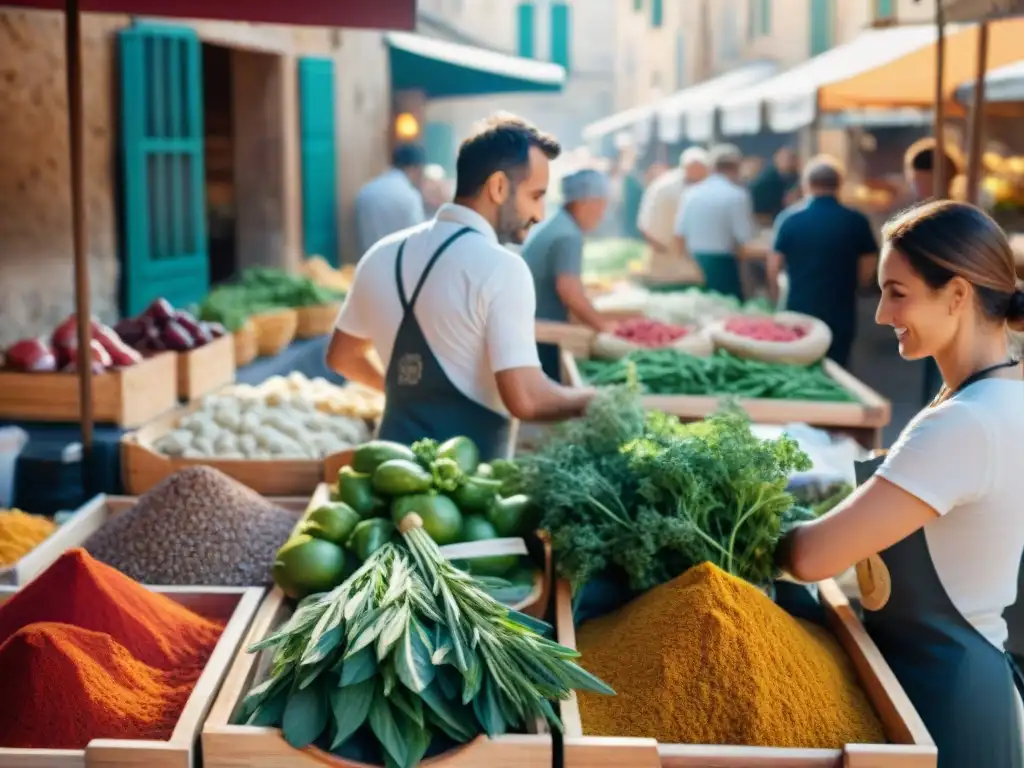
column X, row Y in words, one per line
column 874, row 517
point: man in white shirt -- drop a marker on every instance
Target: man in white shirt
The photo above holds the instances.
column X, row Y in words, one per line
column 716, row 221
column 450, row 312
column 392, row 201
column 656, row 220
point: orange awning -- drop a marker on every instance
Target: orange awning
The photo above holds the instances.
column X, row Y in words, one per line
column 909, row 81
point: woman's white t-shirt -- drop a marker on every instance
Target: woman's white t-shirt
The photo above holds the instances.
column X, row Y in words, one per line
column 965, row 459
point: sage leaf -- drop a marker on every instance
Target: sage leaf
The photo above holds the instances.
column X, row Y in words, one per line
column 382, row 723
column 390, row 634
column 350, row 706
column 305, row 717
column 387, row 674
column 309, row 674
column 360, row 666
column 413, row 659
column 417, row 742
column 471, row 677
column 451, row 716
column 255, row 698
column 407, row 703
column 270, row 711
column 372, row 630
column 488, row 711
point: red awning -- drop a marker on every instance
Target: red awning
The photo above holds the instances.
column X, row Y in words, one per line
column 372, row 14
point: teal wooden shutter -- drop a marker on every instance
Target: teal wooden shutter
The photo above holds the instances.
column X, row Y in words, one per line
column 561, row 34
column 638, row 5
column 165, row 251
column 657, row 13
column 439, row 142
column 318, row 158
column 766, row 17
column 525, row 21
column 821, row 26
column 883, row 9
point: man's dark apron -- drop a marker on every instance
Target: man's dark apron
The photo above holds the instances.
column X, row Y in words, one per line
column 721, row 273
column 960, row 684
column 420, row 399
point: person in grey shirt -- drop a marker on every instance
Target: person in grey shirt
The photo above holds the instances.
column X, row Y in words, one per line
column 715, row 222
column 554, row 253
column 392, row 201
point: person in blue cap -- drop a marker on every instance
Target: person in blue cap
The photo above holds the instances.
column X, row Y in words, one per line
column 554, row 253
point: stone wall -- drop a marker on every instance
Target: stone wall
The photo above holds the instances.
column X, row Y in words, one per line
column 36, row 273
column 36, row 277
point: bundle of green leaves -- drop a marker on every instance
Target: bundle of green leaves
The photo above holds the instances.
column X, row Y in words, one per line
column 648, row 497
column 409, row 654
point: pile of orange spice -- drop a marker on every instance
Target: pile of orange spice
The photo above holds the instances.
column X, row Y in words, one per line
column 20, row 533
column 86, row 653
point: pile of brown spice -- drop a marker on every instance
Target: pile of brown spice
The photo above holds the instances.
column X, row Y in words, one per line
column 20, row 533
column 708, row 659
column 196, row 527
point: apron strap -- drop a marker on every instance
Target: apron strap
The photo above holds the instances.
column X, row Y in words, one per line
column 407, row 305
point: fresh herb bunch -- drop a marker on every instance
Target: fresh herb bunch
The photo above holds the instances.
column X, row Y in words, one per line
column 651, row 497
column 411, row 648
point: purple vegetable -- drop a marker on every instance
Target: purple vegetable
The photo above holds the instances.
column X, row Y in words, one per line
column 176, row 337
column 131, row 330
column 216, row 330
column 188, row 322
column 202, row 334
column 161, row 311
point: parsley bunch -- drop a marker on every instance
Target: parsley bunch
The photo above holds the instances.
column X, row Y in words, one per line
column 650, row 497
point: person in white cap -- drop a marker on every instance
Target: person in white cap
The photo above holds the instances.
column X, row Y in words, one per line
column 656, row 220
column 554, row 253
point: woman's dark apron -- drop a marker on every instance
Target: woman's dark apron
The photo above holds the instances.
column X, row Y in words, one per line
column 960, row 684
column 420, row 399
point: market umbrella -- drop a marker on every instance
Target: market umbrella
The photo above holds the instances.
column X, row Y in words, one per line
column 382, row 14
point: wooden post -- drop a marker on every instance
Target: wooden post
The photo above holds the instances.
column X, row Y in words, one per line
column 976, row 126
column 941, row 183
column 79, row 229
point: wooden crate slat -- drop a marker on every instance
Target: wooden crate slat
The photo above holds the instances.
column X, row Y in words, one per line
column 206, row 369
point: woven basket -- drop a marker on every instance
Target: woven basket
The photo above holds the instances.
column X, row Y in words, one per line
column 317, row 320
column 245, row 345
column 274, row 330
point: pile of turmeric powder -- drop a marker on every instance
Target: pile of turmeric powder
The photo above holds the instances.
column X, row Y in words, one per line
column 709, row 659
column 20, row 533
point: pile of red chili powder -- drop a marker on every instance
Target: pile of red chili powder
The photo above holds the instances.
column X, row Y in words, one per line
column 86, row 653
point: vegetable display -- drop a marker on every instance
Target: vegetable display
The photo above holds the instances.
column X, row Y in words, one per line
column 764, row 329
column 280, row 419
column 669, row 372
column 161, row 327
column 261, row 290
column 60, row 353
column 646, row 497
column 408, row 657
column 693, row 305
column 645, row 332
column 455, row 497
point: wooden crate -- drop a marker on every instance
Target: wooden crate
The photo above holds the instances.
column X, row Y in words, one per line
column 142, row 466
column 910, row 746
column 245, row 746
column 569, row 336
column 202, row 370
column 127, row 397
column 84, row 523
column 235, row 606
column 863, row 420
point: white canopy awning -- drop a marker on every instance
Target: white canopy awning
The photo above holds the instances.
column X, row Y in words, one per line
column 696, row 105
column 1003, row 84
column 791, row 98
column 637, row 121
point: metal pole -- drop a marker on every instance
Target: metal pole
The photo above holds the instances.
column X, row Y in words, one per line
column 76, row 140
column 939, row 190
column 976, row 139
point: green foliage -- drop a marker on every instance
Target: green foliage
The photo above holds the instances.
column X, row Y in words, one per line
column 650, row 497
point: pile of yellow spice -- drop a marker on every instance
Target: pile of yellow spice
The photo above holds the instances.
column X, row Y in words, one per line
column 20, row 533
column 709, row 659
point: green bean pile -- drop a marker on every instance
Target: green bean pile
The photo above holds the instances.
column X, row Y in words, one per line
column 668, row 372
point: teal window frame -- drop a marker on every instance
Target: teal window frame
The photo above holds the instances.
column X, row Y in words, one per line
column 561, row 33
column 657, row 13
column 526, row 25
column 822, row 26
column 885, row 10
column 765, row 20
